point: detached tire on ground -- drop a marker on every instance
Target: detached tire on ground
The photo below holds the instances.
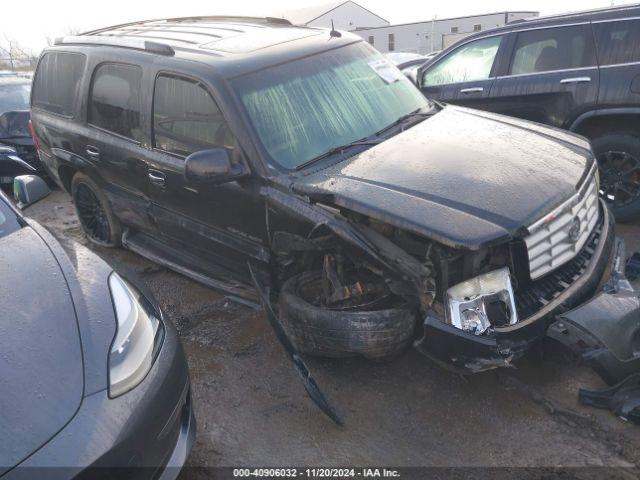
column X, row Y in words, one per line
column 94, row 212
column 374, row 334
column 618, row 156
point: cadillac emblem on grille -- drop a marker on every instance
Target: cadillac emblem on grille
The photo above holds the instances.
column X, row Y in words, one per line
column 558, row 237
column 575, row 230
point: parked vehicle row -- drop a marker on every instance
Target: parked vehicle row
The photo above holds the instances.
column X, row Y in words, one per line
column 579, row 72
column 409, row 63
column 18, row 154
column 255, row 156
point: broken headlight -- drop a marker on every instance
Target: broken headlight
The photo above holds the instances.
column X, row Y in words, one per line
column 483, row 301
column 138, row 339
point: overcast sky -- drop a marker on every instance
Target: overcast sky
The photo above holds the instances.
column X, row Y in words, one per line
column 31, row 21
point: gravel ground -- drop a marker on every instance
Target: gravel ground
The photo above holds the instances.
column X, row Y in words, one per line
column 252, row 410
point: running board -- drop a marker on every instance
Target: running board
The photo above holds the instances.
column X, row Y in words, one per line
column 207, row 273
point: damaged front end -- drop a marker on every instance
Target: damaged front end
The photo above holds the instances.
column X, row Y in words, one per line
column 469, row 310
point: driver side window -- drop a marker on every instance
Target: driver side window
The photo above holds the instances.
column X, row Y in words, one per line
column 470, row 62
column 186, row 119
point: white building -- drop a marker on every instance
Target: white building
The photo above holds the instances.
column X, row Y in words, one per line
column 345, row 15
column 433, row 35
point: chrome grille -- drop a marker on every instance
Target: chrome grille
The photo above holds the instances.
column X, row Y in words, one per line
column 559, row 236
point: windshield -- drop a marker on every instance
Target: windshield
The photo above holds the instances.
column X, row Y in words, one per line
column 307, row 107
column 14, row 97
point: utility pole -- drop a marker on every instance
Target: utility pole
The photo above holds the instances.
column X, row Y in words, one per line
column 433, row 32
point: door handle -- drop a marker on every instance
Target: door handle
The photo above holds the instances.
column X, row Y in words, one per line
column 92, row 151
column 576, row 80
column 472, row 90
column 156, row 178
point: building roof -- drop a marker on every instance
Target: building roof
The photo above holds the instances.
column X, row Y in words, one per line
column 302, row 16
column 533, row 13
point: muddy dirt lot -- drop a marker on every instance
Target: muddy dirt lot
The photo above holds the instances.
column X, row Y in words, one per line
column 252, row 410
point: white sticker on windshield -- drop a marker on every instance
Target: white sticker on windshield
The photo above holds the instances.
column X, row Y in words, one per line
column 386, row 70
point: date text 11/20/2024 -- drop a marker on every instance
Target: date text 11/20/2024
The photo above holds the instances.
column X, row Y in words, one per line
column 315, row 473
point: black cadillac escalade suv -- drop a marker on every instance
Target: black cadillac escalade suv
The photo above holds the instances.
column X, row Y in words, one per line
column 256, row 156
column 578, row 71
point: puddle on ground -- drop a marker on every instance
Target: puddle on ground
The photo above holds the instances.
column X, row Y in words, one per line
column 249, row 330
column 202, row 359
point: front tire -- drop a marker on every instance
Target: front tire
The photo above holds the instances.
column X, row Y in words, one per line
column 94, row 212
column 618, row 156
column 376, row 333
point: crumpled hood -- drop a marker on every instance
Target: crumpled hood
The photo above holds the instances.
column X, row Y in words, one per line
column 462, row 177
column 41, row 364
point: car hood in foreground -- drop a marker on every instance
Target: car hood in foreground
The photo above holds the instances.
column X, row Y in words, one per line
column 41, row 364
column 462, row 177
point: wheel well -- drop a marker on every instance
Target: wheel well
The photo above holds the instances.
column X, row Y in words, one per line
column 594, row 127
column 66, row 174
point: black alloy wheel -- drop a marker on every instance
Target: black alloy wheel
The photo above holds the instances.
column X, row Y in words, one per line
column 619, row 178
column 97, row 219
column 92, row 215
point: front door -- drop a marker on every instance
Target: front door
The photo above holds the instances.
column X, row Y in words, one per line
column 464, row 76
column 224, row 224
column 552, row 76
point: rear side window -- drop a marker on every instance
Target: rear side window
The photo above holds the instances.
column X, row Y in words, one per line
column 186, row 119
column 57, row 81
column 470, row 62
column 552, row 49
column 618, row 42
column 115, row 99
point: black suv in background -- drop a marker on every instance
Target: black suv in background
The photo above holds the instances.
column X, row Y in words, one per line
column 579, row 72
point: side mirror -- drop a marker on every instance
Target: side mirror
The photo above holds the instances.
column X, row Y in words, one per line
column 211, row 166
column 28, row 189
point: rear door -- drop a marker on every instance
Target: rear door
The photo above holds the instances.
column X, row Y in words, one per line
column 618, row 44
column 464, row 76
column 116, row 136
column 224, row 224
column 552, row 76
column 55, row 95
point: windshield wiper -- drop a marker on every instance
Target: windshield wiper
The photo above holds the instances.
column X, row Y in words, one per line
column 416, row 113
column 337, row 150
column 365, row 141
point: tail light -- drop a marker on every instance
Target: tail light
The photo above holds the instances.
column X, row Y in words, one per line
column 36, row 142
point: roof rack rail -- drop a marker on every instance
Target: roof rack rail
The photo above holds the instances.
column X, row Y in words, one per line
column 281, row 21
column 134, row 43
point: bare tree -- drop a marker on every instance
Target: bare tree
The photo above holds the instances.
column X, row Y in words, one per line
column 14, row 54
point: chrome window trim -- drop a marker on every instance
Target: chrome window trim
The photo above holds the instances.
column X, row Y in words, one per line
column 577, row 24
column 627, row 64
column 610, row 20
column 547, row 72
